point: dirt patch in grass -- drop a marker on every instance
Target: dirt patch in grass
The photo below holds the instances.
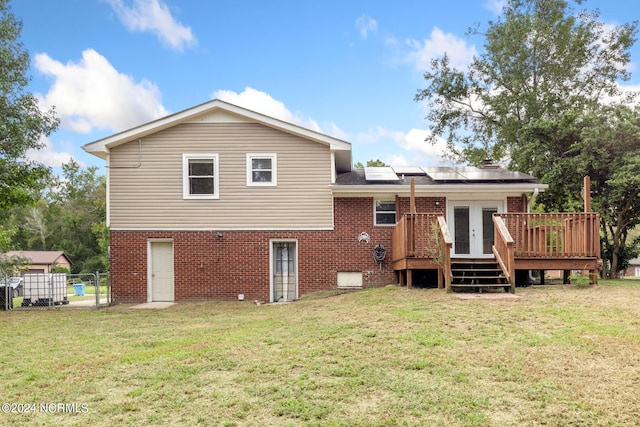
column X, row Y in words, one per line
column 492, row 295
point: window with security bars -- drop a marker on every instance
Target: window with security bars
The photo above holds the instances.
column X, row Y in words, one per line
column 284, row 271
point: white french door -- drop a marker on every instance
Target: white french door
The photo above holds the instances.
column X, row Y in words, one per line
column 471, row 227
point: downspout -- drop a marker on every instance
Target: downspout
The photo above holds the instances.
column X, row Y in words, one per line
column 532, row 198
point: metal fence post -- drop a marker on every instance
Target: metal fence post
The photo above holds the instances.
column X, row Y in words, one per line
column 97, row 288
column 6, row 293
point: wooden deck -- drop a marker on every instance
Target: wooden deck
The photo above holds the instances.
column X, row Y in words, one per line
column 554, row 241
column 421, row 241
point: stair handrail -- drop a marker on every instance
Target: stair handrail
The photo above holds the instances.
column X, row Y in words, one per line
column 445, row 248
column 503, row 250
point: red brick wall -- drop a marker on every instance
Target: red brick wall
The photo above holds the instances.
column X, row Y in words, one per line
column 517, row 204
column 208, row 267
column 423, row 205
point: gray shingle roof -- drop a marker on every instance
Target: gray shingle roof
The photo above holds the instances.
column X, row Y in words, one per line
column 432, row 176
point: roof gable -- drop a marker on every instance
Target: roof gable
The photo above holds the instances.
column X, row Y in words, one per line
column 217, row 111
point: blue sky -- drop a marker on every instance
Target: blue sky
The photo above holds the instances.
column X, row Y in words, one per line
column 347, row 68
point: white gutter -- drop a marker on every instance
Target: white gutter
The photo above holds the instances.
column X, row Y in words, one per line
column 404, row 190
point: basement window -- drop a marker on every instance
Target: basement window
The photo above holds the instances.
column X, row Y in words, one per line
column 349, row 279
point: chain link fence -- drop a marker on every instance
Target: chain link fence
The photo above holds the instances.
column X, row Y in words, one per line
column 55, row 290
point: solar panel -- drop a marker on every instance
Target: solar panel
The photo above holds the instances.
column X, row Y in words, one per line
column 408, row 170
column 379, row 173
column 471, row 173
column 444, row 173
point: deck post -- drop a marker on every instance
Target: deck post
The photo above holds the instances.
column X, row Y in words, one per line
column 409, row 279
column 412, row 196
column 587, row 194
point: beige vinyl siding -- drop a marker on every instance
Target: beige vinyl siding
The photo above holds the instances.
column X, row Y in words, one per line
column 150, row 196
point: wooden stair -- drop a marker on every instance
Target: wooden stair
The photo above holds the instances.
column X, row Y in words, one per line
column 477, row 274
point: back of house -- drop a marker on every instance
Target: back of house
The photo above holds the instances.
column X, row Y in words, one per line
column 220, row 202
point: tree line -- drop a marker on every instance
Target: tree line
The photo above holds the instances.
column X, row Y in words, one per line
column 69, row 215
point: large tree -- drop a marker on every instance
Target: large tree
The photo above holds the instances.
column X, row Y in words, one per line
column 536, row 98
column 22, row 123
column 609, row 152
column 541, row 62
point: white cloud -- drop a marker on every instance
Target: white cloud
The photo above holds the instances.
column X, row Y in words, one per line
column 366, row 24
column 495, row 6
column 398, row 160
column 263, row 103
column 376, row 135
column 333, row 130
column 398, row 148
column 460, row 54
column 93, row 94
column 48, row 155
column 154, row 16
column 628, row 95
column 427, row 153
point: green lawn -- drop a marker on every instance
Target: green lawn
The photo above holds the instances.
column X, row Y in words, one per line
column 557, row 356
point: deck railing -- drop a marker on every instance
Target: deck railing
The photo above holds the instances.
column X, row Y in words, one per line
column 413, row 236
column 423, row 235
column 516, row 236
column 552, row 235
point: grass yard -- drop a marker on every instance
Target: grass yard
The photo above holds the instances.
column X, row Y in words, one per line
column 557, row 356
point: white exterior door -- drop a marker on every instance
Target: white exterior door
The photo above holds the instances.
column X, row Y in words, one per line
column 471, row 227
column 284, row 271
column 161, row 272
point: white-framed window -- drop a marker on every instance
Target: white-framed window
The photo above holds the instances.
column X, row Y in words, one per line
column 385, row 212
column 200, row 176
column 262, row 169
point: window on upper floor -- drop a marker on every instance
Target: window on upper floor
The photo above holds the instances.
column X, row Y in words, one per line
column 262, row 169
column 385, row 212
column 200, row 176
